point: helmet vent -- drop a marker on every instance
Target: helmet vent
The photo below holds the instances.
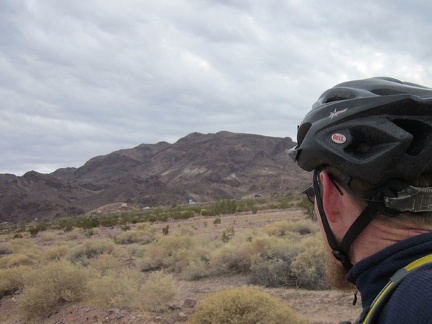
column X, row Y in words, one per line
column 421, row 132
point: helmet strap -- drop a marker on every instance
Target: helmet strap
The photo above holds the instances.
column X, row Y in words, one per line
column 341, row 251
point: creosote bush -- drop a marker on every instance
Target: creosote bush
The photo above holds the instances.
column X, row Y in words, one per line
column 244, row 306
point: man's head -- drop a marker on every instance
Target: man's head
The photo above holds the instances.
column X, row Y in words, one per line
column 369, row 141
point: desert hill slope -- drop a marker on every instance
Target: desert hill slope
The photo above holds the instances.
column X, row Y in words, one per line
column 202, row 167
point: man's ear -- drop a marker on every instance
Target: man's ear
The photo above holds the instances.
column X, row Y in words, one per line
column 331, row 197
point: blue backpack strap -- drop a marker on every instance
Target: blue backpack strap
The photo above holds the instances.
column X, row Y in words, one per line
column 370, row 314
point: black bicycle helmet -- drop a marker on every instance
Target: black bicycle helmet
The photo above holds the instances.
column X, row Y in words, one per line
column 378, row 130
column 373, row 129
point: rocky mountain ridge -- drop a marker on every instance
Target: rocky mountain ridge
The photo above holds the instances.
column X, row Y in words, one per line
column 202, row 167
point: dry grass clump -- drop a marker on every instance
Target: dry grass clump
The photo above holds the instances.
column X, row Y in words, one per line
column 12, row 280
column 158, row 290
column 24, row 252
column 136, row 250
column 90, row 248
column 116, row 289
column 49, row 285
column 237, row 255
column 16, row 260
column 58, row 251
column 134, row 236
column 5, row 248
column 106, row 263
column 309, row 266
column 73, row 235
column 129, row 288
column 171, row 252
column 47, row 236
column 244, row 306
column 282, row 228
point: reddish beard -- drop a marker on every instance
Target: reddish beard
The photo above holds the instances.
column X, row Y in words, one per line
column 335, row 274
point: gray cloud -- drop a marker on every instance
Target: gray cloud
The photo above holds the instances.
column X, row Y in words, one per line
column 84, row 78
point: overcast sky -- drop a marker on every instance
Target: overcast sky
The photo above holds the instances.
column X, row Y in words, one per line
column 85, row 78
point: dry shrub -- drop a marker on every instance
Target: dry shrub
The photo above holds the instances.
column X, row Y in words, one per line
column 57, row 252
column 146, row 228
column 116, row 289
column 5, row 248
column 198, row 266
column 171, row 252
column 272, row 260
column 47, row 236
column 244, row 306
column 283, row 228
column 130, row 237
column 237, row 255
column 73, row 235
column 16, row 260
column 12, row 280
column 197, row 269
column 25, row 246
column 105, row 263
column 231, row 258
column 158, row 291
column 129, row 288
column 309, row 266
column 271, row 272
column 50, row 284
column 136, row 250
column 89, row 249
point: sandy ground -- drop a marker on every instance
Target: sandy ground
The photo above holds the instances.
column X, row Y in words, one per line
column 325, row 306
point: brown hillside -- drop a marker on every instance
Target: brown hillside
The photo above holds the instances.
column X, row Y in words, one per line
column 202, row 167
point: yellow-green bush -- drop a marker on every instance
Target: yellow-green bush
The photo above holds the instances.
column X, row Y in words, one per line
column 25, row 246
column 231, row 258
column 158, row 290
column 47, row 236
column 25, row 252
column 146, row 228
column 5, row 248
column 136, row 250
column 73, row 235
column 137, row 236
column 50, row 284
column 57, row 251
column 12, row 279
column 244, row 306
column 89, row 249
column 309, row 266
column 17, row 259
column 198, row 264
column 236, row 256
column 105, row 263
column 170, row 252
column 283, row 228
column 116, row 289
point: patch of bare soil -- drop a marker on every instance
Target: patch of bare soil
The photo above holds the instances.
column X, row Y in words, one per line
column 320, row 307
